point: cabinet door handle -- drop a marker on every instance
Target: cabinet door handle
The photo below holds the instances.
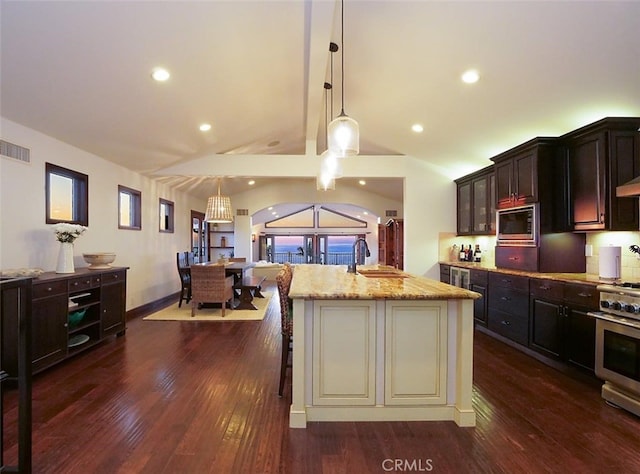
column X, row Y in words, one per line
column 545, row 288
column 514, row 258
column 505, row 298
column 506, row 323
column 504, row 280
column 584, row 295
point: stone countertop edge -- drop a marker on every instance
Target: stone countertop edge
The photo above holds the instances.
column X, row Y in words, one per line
column 564, row 277
column 313, row 281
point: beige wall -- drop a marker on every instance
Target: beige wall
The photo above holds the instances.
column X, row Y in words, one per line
column 26, row 241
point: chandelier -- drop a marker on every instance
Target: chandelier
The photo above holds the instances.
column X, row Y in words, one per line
column 219, row 208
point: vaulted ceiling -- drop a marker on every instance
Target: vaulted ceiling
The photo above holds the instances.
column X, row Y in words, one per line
column 80, row 71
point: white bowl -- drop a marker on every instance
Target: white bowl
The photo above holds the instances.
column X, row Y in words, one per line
column 99, row 260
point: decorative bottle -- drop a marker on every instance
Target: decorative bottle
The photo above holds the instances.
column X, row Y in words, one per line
column 477, row 254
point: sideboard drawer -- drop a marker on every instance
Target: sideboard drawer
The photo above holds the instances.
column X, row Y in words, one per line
column 50, row 288
column 81, row 283
column 112, row 277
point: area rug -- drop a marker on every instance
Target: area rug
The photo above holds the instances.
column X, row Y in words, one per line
column 173, row 313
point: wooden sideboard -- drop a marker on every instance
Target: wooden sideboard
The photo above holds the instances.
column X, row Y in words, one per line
column 57, row 298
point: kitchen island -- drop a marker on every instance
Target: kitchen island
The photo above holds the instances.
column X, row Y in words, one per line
column 379, row 345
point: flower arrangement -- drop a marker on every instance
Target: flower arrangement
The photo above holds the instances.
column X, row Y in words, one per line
column 68, row 232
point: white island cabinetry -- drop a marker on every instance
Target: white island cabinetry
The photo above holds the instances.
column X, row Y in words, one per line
column 379, row 348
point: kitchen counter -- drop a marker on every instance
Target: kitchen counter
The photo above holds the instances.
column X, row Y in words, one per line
column 566, row 277
column 333, row 282
column 379, row 345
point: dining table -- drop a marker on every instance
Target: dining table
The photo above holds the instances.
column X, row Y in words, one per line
column 237, row 269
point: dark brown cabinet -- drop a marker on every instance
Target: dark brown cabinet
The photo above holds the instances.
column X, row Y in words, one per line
column 445, row 273
column 478, row 282
column 546, row 317
column 517, row 178
column 600, row 157
column 560, row 327
column 508, row 306
column 15, row 368
column 580, row 330
column 49, row 323
column 113, row 300
column 71, row 313
column 476, row 203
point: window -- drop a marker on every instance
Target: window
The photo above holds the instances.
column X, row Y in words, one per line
column 166, row 215
column 67, row 195
column 129, row 208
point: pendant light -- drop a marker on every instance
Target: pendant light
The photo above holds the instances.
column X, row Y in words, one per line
column 344, row 134
column 219, row 208
column 330, row 166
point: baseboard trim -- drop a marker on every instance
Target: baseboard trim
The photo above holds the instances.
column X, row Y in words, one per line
column 152, row 307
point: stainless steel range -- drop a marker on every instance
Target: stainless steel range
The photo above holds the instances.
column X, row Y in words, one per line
column 618, row 344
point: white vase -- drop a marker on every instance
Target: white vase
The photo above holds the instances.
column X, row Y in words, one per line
column 65, row 258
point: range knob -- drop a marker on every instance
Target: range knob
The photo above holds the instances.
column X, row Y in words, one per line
column 605, row 304
column 632, row 308
column 616, row 305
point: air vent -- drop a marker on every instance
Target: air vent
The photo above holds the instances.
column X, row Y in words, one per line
column 243, row 212
column 391, row 213
column 16, row 152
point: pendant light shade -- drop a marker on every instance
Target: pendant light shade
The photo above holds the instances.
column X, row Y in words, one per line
column 330, row 165
column 343, row 131
column 325, row 182
column 219, row 208
column 344, row 136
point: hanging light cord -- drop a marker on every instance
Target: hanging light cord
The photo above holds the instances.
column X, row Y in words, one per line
column 342, row 54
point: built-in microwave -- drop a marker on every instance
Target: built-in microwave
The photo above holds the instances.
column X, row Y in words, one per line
column 518, row 225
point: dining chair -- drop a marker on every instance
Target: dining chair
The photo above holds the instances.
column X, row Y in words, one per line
column 283, row 282
column 184, row 261
column 210, row 284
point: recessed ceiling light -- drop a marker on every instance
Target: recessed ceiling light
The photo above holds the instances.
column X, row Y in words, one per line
column 471, row 76
column 416, row 127
column 251, row 182
column 365, row 213
column 205, row 127
column 160, row 74
column 362, row 182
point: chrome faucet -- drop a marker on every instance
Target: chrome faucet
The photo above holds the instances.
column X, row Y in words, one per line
column 352, row 266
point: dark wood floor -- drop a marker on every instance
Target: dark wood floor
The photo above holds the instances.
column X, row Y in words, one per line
column 174, row 397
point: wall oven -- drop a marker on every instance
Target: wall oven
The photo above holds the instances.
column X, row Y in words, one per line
column 618, row 344
column 518, row 225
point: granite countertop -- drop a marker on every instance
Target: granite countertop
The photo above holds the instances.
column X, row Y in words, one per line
column 333, row 282
column 565, row 277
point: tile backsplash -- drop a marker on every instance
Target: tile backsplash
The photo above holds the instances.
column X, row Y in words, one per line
column 630, row 262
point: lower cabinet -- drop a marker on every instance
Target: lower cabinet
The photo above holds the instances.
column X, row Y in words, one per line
column 394, row 349
column 560, row 327
column 113, row 303
column 509, row 306
column 478, row 282
column 415, row 353
column 344, row 356
column 48, row 323
column 71, row 313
